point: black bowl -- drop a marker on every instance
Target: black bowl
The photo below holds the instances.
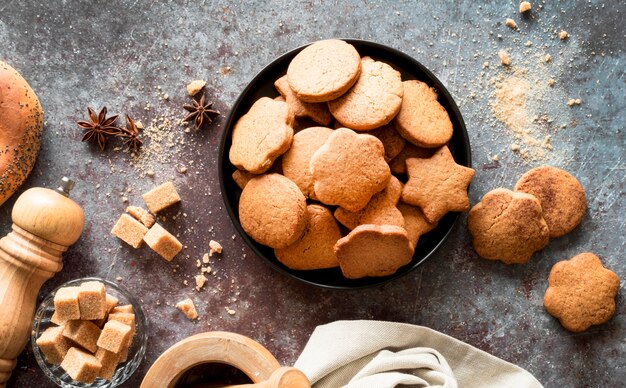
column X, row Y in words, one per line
column 263, row 86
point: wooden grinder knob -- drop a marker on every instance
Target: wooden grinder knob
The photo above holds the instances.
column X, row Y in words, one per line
column 45, row 223
column 284, row 377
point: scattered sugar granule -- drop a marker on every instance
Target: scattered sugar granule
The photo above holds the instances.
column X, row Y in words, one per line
column 215, row 247
column 505, row 59
column 524, row 6
column 563, row 35
column 510, row 23
column 515, row 147
column 574, row 101
column 528, row 43
column 551, row 82
column 495, row 158
column 547, row 58
column 230, row 311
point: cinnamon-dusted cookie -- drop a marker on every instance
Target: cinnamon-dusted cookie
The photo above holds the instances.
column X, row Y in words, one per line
column 437, row 184
column 272, row 210
column 422, row 120
column 373, row 250
column 242, row 178
column 381, row 209
column 317, row 111
column 296, row 161
column 391, row 139
column 398, row 164
column 562, row 197
column 581, row 292
column 507, row 226
column 349, row 169
column 415, row 223
column 324, row 70
column 316, row 248
column 261, row 135
column 373, row 101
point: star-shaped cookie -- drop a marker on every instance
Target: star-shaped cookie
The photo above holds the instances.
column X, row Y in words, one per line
column 437, row 184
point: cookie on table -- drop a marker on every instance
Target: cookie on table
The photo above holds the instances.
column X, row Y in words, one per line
column 373, row 250
column 415, row 223
column 261, row 135
column 437, row 184
column 272, row 210
column 317, row 112
column 507, row 226
column 373, row 101
column 316, row 248
column 562, row 197
column 324, row 70
column 398, row 164
column 296, row 161
column 581, row 292
column 349, row 169
column 381, row 209
column 422, row 120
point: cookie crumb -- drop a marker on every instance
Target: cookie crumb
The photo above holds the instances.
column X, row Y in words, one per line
column 205, row 258
column 551, row 82
column 524, row 6
column 505, row 59
column 194, row 87
column 574, row 101
column 563, row 35
column 485, row 65
column 495, row 158
column 119, row 278
column 230, row 311
column 215, row 247
column 528, row 43
column 510, row 23
column 188, row 308
column 200, row 281
column 547, row 58
column 515, row 147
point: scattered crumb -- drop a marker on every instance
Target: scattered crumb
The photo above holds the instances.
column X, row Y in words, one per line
column 495, row 158
column 547, row 58
column 183, row 170
column 230, row 311
column 215, row 247
column 505, row 59
column 546, row 142
column 528, row 43
column 563, row 35
column 188, row 308
column 119, row 278
column 194, row 87
column 485, row 65
column 551, row 82
column 150, row 173
column 510, row 23
column 574, row 101
column 515, row 147
column 200, row 281
column 205, row 258
column 524, row 6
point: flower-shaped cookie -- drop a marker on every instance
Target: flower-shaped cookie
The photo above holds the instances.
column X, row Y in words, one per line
column 581, row 292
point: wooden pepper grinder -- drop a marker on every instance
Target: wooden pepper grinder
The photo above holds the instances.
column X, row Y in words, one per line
column 45, row 223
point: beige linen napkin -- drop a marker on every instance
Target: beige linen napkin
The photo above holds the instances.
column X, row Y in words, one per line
column 375, row 354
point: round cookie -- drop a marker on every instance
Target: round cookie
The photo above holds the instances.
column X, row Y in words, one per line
column 373, row 101
column 349, row 169
column 422, row 120
column 381, row 209
column 324, row 70
column 315, row 249
column 373, row 250
column 391, row 139
column 296, row 161
column 317, row 112
column 261, row 135
column 581, row 292
column 507, row 226
column 562, row 197
column 272, row 210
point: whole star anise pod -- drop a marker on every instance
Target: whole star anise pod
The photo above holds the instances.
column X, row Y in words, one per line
column 130, row 134
column 99, row 127
column 199, row 112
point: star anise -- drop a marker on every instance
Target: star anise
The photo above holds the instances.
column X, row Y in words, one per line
column 199, row 112
column 99, row 127
column 130, row 134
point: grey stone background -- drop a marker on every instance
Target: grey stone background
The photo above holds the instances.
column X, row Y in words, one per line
column 127, row 55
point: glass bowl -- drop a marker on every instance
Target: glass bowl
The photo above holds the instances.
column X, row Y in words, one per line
column 262, row 85
column 124, row 370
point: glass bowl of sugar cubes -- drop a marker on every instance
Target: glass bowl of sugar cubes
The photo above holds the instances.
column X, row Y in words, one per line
column 89, row 332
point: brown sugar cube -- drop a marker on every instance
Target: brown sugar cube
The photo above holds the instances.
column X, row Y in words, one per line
column 188, row 308
column 142, row 215
column 127, row 319
column 83, row 333
column 162, row 242
column 53, row 345
column 129, row 230
column 114, row 336
column 56, row 320
column 111, row 302
column 92, row 300
column 124, row 354
column 66, row 304
column 109, row 361
column 81, row 366
column 161, row 197
column 127, row 308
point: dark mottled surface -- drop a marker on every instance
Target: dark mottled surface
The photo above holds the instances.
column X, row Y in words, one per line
column 127, row 54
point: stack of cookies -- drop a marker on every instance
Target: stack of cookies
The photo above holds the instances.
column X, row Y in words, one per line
column 348, row 167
